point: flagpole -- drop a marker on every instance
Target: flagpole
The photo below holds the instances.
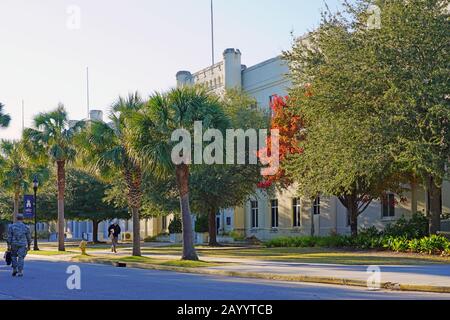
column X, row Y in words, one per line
column 23, row 115
column 212, row 32
column 87, row 91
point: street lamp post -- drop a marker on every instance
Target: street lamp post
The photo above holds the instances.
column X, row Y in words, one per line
column 35, row 188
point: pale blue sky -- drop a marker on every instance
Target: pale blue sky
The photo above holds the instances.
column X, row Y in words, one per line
column 129, row 45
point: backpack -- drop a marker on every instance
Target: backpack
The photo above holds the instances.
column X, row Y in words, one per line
column 8, row 258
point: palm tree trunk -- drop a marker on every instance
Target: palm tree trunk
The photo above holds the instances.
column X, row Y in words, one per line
column 182, row 173
column 16, row 206
column 133, row 178
column 136, row 232
column 95, row 224
column 212, row 229
column 61, row 189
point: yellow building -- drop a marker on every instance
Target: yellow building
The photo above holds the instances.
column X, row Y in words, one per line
column 285, row 214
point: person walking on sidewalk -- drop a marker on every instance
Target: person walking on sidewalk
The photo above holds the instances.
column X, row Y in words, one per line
column 114, row 232
column 19, row 242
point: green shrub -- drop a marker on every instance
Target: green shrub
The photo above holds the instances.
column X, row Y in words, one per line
column 368, row 240
column 429, row 245
column 334, row 241
column 414, row 228
column 446, row 252
column 434, row 244
column 237, row 236
column 294, row 242
column 414, row 245
column 176, row 226
column 308, row 242
column 370, row 232
column 150, row 239
column 202, row 224
column 399, row 244
column 155, row 238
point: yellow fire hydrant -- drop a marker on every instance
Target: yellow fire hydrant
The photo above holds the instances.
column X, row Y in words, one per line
column 83, row 246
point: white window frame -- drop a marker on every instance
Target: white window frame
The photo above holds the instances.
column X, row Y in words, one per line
column 296, row 212
column 254, row 213
column 390, row 198
column 274, row 213
column 316, row 206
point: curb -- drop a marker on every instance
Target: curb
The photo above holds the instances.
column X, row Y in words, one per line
column 271, row 276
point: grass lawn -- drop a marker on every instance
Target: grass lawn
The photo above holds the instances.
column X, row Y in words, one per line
column 47, row 251
column 173, row 263
column 152, row 261
column 51, row 253
column 312, row 255
column 301, row 255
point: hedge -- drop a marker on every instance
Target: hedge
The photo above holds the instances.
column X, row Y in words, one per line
column 427, row 245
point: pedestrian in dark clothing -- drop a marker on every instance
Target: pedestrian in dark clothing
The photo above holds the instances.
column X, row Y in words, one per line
column 114, row 232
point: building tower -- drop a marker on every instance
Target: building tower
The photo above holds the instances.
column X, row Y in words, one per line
column 232, row 68
column 184, row 78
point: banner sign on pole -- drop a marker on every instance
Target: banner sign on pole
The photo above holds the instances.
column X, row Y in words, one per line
column 28, row 212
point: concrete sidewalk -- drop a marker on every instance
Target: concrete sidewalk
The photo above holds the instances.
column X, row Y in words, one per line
column 434, row 278
column 437, row 276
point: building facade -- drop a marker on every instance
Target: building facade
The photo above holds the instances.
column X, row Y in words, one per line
column 285, row 214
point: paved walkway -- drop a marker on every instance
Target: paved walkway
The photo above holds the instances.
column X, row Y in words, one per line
column 424, row 275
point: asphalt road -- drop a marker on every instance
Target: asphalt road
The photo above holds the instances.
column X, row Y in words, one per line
column 48, row 281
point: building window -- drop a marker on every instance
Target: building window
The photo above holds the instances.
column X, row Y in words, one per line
column 254, row 213
column 297, row 211
column 274, row 211
column 316, row 206
column 228, row 221
column 164, row 223
column 388, row 205
column 271, row 98
column 272, row 111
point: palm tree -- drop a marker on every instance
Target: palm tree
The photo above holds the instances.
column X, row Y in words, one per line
column 4, row 118
column 52, row 139
column 151, row 129
column 17, row 170
column 104, row 151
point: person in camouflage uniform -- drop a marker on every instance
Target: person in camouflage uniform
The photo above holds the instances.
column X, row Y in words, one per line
column 19, row 242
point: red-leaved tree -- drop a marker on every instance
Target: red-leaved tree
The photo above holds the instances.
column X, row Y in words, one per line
column 285, row 119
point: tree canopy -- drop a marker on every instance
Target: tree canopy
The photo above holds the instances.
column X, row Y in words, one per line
column 104, row 151
column 360, row 92
column 4, row 118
